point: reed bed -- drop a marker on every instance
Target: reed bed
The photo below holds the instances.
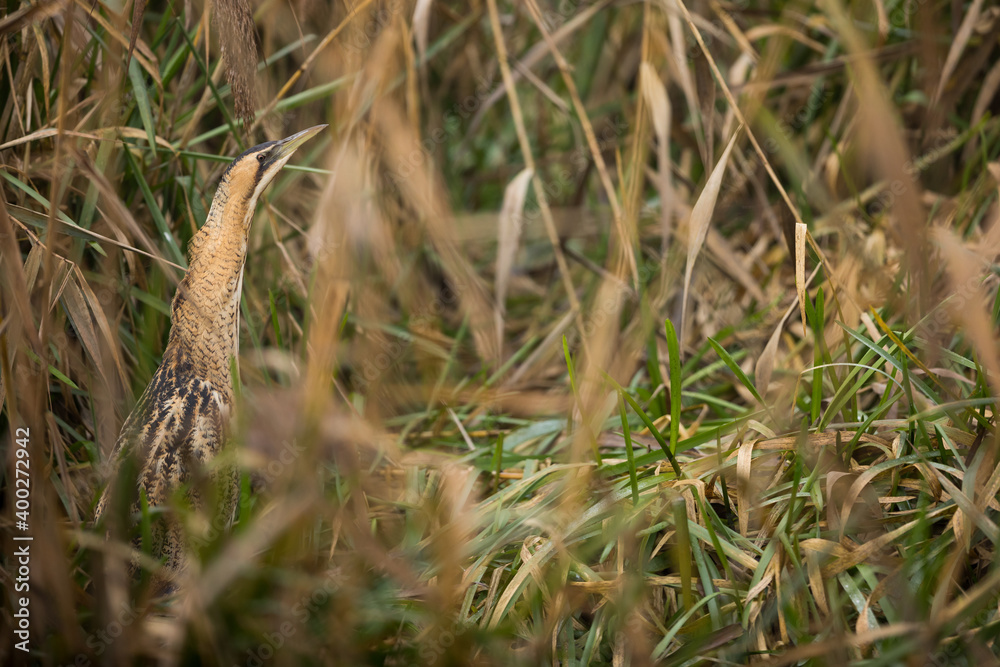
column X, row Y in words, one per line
column 605, row 332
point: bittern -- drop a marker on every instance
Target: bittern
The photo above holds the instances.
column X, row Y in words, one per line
column 181, row 421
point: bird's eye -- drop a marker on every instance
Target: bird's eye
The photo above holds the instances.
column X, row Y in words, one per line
column 260, row 157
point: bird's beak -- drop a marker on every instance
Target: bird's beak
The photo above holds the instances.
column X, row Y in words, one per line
column 283, row 149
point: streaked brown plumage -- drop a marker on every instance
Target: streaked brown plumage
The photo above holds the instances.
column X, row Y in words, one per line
column 181, row 421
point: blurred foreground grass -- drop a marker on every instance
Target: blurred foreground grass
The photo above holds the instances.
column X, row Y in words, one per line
column 550, row 353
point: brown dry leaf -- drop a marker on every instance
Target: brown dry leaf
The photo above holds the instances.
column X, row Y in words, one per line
column 817, row 585
column 28, row 14
column 986, row 493
column 844, row 513
column 861, row 626
column 701, row 217
column 969, row 513
column 60, row 279
column 991, row 82
column 743, row 484
column 782, row 623
column 508, row 235
column 773, row 569
column 825, row 549
column 491, row 595
column 32, row 264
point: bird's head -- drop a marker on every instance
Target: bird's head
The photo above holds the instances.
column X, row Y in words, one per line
column 250, row 173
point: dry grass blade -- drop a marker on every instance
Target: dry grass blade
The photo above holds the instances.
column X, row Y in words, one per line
column 103, row 325
column 529, row 160
column 735, row 107
column 883, row 143
column 958, row 45
column 683, row 65
column 509, row 232
column 14, row 281
column 765, row 363
column 701, row 218
column 655, row 95
column 27, row 14
column 24, row 215
column 96, row 135
column 965, row 271
column 536, row 53
column 307, row 64
column 987, row 92
column 145, row 57
column 421, row 25
column 79, row 315
column 801, row 232
column 137, row 13
column 761, row 31
column 625, row 234
column 732, row 263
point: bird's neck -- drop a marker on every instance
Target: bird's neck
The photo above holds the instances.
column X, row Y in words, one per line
column 205, row 314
